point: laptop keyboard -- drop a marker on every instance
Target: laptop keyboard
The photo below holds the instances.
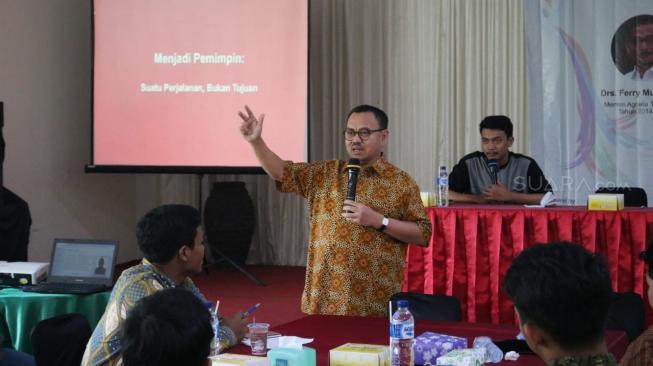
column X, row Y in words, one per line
column 67, row 288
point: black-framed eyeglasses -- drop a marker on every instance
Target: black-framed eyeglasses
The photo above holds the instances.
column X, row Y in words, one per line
column 364, row 133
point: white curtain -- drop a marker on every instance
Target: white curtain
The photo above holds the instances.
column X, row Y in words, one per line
column 590, row 121
column 450, row 63
column 437, row 67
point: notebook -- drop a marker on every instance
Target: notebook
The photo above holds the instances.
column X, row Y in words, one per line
column 79, row 267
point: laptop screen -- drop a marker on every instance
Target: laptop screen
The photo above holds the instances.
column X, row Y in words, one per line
column 90, row 261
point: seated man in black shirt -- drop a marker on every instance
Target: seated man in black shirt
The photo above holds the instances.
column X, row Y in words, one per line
column 517, row 178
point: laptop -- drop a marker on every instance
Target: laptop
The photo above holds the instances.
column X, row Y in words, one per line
column 79, row 266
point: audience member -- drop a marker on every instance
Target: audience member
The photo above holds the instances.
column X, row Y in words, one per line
column 516, row 179
column 172, row 242
column 169, row 328
column 562, row 295
column 640, row 352
column 15, row 218
column 15, row 224
column 10, row 357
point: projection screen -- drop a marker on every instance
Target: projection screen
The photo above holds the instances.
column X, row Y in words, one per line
column 169, row 77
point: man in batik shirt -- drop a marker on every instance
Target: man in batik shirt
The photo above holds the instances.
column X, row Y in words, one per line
column 640, row 352
column 357, row 249
column 172, row 242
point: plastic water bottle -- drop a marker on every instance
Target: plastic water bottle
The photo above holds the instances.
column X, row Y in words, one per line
column 215, row 325
column 493, row 352
column 443, row 187
column 402, row 336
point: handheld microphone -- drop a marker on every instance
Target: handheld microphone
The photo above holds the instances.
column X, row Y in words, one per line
column 492, row 164
column 353, row 167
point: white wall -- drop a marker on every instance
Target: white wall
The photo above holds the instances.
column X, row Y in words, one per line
column 45, row 68
column 45, row 83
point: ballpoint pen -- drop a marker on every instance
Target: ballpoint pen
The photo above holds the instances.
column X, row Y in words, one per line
column 249, row 311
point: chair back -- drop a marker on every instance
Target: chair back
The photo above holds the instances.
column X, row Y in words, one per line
column 430, row 307
column 633, row 196
column 61, row 340
column 627, row 314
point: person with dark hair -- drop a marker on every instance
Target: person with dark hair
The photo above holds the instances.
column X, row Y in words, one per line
column 172, row 242
column 562, row 295
column 2, row 150
column 15, row 224
column 357, row 248
column 641, row 48
column 11, row 357
column 632, row 47
column 15, row 217
column 640, row 351
column 497, row 175
column 168, row 328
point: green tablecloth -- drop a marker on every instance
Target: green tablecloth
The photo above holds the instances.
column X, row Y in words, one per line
column 20, row 311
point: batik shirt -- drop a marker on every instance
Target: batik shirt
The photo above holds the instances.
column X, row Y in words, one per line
column 597, row 360
column 135, row 283
column 640, row 352
column 352, row 269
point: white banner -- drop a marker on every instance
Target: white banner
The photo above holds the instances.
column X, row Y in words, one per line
column 591, row 93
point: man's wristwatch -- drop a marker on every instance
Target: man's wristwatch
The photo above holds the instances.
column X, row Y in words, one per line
column 384, row 223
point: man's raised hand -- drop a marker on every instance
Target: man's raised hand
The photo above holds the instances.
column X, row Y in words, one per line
column 250, row 126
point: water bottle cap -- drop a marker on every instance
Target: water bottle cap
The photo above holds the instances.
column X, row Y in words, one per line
column 402, row 303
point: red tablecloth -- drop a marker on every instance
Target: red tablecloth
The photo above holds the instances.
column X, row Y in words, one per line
column 472, row 246
column 329, row 332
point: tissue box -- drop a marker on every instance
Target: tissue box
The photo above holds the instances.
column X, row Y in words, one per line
column 463, row 357
column 305, row 356
column 429, row 346
column 230, row 359
column 605, row 202
column 357, row 354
